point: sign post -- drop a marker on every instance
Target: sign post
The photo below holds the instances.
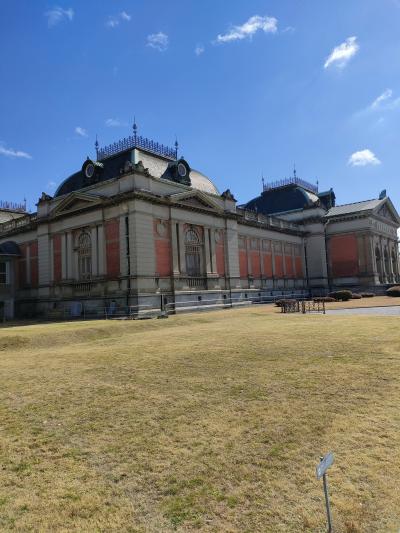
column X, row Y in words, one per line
column 322, row 467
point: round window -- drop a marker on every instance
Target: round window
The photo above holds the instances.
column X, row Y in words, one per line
column 182, row 170
column 89, row 170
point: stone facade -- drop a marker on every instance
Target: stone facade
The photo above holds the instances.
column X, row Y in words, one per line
column 141, row 237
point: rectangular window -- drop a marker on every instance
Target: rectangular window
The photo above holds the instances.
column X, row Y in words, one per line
column 3, row 273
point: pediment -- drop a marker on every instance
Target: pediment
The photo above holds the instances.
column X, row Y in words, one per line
column 75, row 202
column 195, row 199
column 387, row 211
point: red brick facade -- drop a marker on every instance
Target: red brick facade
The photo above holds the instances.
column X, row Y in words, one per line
column 163, row 249
column 28, row 250
column 267, row 265
column 343, row 254
column 243, row 263
column 278, row 266
column 112, row 248
column 299, row 266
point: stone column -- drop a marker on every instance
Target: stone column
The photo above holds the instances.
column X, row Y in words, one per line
column 101, row 270
column 175, row 248
column 284, row 259
column 383, row 262
column 63, row 256
column 248, row 253
column 273, row 259
column 181, row 236
column 95, row 259
column 262, row 252
column 69, row 251
column 293, row 261
column 213, row 253
column 45, row 259
column 232, row 253
column 51, row 260
column 207, row 241
column 28, row 265
column 391, row 271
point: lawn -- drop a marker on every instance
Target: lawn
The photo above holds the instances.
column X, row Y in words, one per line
column 211, row 422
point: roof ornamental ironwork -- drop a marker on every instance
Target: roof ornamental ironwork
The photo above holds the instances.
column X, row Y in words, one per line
column 13, row 206
column 137, row 141
column 294, row 180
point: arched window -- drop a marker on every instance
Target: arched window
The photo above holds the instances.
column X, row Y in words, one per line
column 193, row 253
column 85, row 256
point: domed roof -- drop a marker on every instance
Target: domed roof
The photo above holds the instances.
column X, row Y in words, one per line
column 283, row 199
column 202, row 183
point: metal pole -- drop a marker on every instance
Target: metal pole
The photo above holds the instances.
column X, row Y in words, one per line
column 328, row 507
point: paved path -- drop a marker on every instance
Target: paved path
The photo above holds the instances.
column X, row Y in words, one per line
column 392, row 310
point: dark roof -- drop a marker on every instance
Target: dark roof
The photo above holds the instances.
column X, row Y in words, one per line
column 106, row 169
column 355, row 207
column 10, row 248
column 283, row 199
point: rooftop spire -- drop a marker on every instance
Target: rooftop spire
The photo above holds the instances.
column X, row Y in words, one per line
column 176, row 147
column 135, row 128
column 294, row 170
column 96, row 145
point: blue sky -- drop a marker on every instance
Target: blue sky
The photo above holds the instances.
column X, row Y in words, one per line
column 249, row 87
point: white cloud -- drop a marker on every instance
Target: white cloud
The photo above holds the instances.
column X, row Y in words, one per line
column 159, row 41
column 114, row 21
column 10, row 152
column 288, row 29
column 363, row 158
column 58, row 14
column 81, row 131
column 386, row 95
column 114, row 123
column 249, row 28
column 199, row 50
column 124, row 16
column 342, row 54
column 385, row 101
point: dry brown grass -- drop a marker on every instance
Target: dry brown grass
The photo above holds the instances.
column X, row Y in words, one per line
column 210, row 421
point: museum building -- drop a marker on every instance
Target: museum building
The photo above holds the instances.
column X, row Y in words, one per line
column 138, row 227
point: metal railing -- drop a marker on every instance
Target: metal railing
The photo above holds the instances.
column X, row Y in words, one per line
column 17, row 223
column 294, row 180
column 136, row 141
column 84, row 311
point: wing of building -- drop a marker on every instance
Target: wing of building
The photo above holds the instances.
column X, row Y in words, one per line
column 139, row 228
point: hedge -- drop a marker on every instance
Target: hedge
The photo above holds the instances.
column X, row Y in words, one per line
column 342, row 295
column 393, row 291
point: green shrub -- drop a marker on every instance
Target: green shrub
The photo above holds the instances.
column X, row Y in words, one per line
column 393, row 291
column 356, row 296
column 342, row 295
column 325, row 299
column 367, row 294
